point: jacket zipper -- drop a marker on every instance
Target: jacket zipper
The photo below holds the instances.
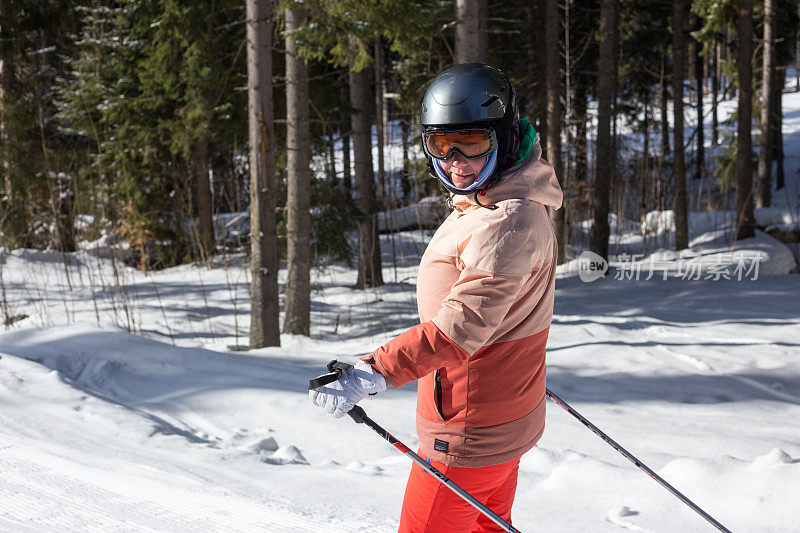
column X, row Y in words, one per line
column 437, row 391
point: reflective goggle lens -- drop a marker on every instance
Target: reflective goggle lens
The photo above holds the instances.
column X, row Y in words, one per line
column 471, row 143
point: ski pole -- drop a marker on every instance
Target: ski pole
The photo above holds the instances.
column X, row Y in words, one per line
column 635, row 461
column 360, row 417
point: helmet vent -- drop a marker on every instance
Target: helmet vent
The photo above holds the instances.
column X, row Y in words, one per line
column 490, row 101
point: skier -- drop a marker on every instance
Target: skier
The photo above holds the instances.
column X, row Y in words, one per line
column 485, row 298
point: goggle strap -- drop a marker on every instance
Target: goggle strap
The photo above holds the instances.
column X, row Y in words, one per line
column 439, row 171
column 488, row 170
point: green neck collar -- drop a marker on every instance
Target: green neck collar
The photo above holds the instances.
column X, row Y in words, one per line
column 527, row 138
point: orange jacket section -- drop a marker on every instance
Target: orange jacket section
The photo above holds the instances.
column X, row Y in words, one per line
column 501, row 383
column 416, row 353
column 497, row 384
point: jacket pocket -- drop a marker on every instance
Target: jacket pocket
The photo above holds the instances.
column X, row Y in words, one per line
column 437, row 395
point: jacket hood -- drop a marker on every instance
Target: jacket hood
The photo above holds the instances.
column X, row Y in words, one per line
column 531, row 179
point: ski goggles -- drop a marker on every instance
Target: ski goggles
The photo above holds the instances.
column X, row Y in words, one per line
column 472, row 142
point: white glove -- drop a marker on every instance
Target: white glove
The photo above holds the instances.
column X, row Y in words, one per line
column 352, row 387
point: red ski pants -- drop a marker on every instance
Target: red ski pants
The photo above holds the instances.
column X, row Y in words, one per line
column 430, row 507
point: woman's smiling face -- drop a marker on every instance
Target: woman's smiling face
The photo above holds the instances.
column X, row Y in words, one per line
column 463, row 171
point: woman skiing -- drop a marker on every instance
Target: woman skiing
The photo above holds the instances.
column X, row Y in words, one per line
column 485, row 297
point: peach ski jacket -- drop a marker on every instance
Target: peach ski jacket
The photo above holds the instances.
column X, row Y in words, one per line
column 485, row 297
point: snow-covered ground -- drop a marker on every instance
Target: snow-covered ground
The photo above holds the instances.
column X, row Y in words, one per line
column 104, row 430
column 125, row 406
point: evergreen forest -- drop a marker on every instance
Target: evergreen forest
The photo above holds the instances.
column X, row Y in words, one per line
column 180, row 132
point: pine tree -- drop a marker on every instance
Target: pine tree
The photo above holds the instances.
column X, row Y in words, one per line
column 699, row 61
column 786, row 30
column 151, row 93
column 36, row 152
column 607, row 80
column 644, row 34
column 298, row 178
column 745, row 218
column 583, row 75
column 679, row 162
column 187, row 74
column 765, row 154
column 343, row 33
column 470, row 46
column 369, row 252
column 264, row 307
column 553, row 73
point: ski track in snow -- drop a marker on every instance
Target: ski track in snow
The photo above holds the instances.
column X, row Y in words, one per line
column 692, row 361
column 769, row 390
column 47, row 485
column 51, row 485
column 704, row 367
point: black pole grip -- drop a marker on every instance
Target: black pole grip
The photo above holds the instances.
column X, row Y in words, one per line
column 335, row 369
column 324, row 379
column 357, row 414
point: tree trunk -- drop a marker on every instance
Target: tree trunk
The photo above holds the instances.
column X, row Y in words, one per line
column 369, row 251
column 581, row 147
column 644, row 174
column 777, row 123
column 405, row 182
column 797, row 56
column 5, row 167
column 699, row 65
column 264, row 306
column 745, row 220
column 718, row 63
column 62, row 198
column 764, row 182
column 383, row 190
column 534, row 95
column 298, row 181
column 64, row 219
column 664, row 98
column 715, row 94
column 347, row 168
column 689, row 59
column 483, row 29
column 724, row 56
column 205, row 221
column 606, row 81
column 468, row 37
column 553, row 145
column 679, row 161
column 333, row 174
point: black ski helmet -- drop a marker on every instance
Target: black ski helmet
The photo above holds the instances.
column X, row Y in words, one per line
column 473, row 94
